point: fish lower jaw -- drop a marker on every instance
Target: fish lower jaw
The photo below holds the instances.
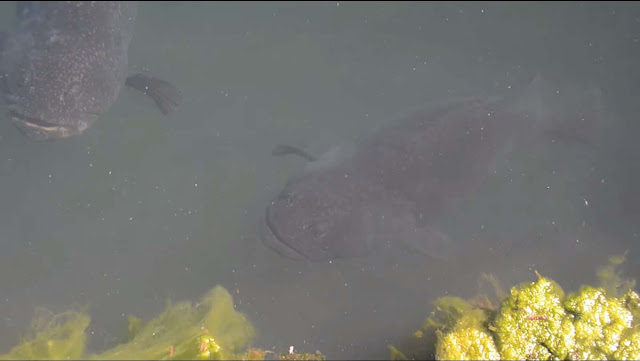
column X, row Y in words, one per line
column 272, row 241
column 47, row 132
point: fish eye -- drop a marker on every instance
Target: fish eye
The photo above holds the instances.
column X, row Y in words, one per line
column 319, row 229
column 287, row 198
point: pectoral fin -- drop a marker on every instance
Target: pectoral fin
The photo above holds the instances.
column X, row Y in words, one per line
column 569, row 114
column 430, row 242
column 166, row 95
column 397, row 225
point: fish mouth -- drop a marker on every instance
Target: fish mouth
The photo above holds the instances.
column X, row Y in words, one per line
column 271, row 238
column 39, row 129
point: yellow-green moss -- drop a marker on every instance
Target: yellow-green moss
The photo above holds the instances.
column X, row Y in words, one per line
column 55, row 337
column 537, row 321
column 209, row 330
column 467, row 344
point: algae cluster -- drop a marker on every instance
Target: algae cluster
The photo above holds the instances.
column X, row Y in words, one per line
column 537, row 321
column 209, row 330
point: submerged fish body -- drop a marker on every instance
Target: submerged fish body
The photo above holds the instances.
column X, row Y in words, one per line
column 391, row 184
column 65, row 64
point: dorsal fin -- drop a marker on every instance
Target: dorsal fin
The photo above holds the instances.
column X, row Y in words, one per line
column 282, row 149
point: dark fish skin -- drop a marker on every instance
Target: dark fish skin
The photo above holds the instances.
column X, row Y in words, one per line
column 392, row 184
column 65, row 65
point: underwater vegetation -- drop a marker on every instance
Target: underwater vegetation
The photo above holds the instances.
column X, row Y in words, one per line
column 537, row 321
column 209, row 330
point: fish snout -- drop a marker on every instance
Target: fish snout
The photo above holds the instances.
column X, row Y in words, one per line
column 269, row 236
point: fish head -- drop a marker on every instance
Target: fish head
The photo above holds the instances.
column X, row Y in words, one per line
column 64, row 65
column 318, row 217
column 48, row 99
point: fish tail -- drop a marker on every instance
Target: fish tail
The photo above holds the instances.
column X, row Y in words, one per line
column 570, row 114
column 166, row 96
column 583, row 120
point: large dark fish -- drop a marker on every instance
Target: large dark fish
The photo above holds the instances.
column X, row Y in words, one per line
column 66, row 63
column 389, row 186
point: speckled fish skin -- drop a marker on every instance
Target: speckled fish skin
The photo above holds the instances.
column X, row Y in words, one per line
column 65, row 64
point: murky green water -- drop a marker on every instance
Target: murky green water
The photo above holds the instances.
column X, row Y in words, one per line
column 145, row 207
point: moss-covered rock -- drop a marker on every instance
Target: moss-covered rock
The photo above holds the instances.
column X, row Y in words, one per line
column 537, row 321
column 532, row 323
